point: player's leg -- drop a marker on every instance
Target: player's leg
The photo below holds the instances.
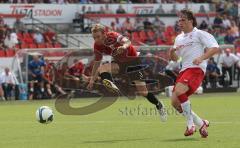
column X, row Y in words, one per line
column 49, row 91
column 2, row 93
column 187, row 84
column 59, row 89
column 105, row 72
column 229, row 70
column 143, row 91
column 199, row 122
column 31, row 90
column 180, row 91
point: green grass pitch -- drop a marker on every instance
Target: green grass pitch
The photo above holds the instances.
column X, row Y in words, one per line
column 127, row 123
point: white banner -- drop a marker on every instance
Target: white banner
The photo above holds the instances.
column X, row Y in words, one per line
column 65, row 13
column 47, row 13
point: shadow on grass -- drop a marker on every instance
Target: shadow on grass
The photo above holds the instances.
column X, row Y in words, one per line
column 115, row 140
column 180, row 140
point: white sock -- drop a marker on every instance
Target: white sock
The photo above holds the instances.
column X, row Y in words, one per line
column 197, row 120
column 186, row 106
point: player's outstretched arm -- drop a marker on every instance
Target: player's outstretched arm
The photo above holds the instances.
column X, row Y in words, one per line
column 93, row 74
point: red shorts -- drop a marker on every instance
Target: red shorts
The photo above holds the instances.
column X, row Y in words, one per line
column 192, row 77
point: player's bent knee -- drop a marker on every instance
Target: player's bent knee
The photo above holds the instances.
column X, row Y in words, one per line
column 179, row 92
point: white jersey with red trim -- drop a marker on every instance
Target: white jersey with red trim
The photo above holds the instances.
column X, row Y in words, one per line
column 192, row 45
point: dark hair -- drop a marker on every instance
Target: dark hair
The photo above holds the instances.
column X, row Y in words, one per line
column 190, row 16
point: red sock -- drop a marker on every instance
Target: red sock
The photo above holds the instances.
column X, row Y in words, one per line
column 182, row 98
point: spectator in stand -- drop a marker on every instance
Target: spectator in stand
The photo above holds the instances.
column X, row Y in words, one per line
column 203, row 25
column 113, row 26
column 9, row 83
column 2, row 36
column 11, row 39
column 1, row 90
column 228, row 61
column 233, row 10
column 8, row 42
column 226, row 22
column 101, row 11
column 176, row 28
column 48, row 77
column 237, row 45
column 36, row 74
column 159, row 24
column 202, row 9
column 18, row 25
column 220, row 7
column 218, row 22
column 2, row 21
column 50, row 36
column 76, row 72
column 138, row 24
column 174, row 9
column 147, row 24
column 107, row 10
column 37, row 36
column 127, row 25
column 234, row 29
column 118, row 25
column 76, row 69
column 120, row 10
column 160, row 10
column 89, row 10
column 212, row 74
column 219, row 36
column 229, row 38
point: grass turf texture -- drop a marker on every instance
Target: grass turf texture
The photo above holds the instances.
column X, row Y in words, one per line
column 121, row 125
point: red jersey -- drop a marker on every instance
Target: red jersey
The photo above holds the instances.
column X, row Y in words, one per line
column 47, row 70
column 112, row 42
column 76, row 69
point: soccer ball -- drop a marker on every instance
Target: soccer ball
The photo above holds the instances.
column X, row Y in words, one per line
column 44, row 114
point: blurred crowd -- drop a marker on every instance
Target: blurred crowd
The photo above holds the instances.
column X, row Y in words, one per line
column 107, row 1
column 153, row 31
column 19, row 37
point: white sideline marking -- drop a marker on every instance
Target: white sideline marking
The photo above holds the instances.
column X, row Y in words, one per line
column 101, row 122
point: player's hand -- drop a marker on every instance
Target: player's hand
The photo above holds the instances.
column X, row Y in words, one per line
column 90, row 85
column 34, row 75
column 197, row 61
column 174, row 49
column 119, row 50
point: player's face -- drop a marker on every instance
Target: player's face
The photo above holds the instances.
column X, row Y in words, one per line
column 35, row 58
column 99, row 37
column 184, row 23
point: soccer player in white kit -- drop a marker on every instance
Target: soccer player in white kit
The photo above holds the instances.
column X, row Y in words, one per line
column 194, row 46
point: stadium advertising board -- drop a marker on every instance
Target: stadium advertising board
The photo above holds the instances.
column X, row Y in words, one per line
column 57, row 13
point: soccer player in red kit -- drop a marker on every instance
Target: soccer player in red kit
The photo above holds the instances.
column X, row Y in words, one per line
column 190, row 45
column 124, row 62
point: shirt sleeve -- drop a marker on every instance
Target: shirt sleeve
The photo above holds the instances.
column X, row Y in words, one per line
column 43, row 63
column 97, row 53
column 235, row 58
column 208, row 40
